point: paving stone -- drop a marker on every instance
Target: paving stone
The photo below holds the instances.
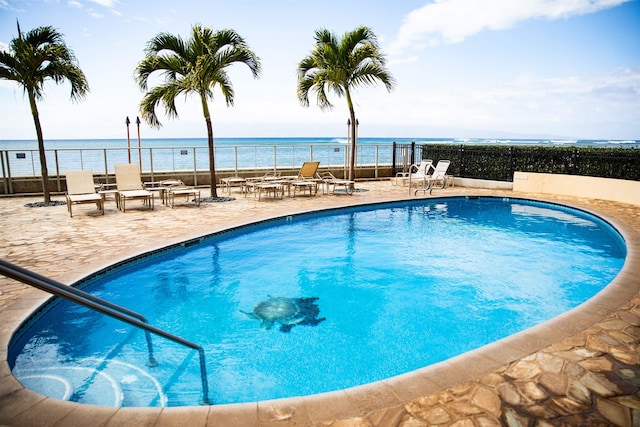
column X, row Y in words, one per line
column 539, row 412
column 612, row 411
column 566, row 406
column 509, row 394
column 462, row 423
column 485, row 421
column 531, row 391
column 487, row 400
column 463, row 409
column 630, row 317
column 554, row 383
column 625, row 356
column 523, row 370
column 600, row 385
column 613, row 324
column 623, row 337
column 632, row 402
column 574, row 370
column 549, row 362
column 436, row 415
column 596, row 343
column 597, row 364
column 512, row 419
column 578, row 391
column 492, row 380
column 627, row 373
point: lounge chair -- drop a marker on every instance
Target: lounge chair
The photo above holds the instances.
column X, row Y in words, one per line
column 81, row 189
column 331, row 181
column 307, row 179
column 439, row 175
column 178, row 188
column 417, row 174
column 252, row 184
column 129, row 184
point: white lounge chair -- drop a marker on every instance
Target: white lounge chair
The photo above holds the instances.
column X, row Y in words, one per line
column 129, row 184
column 417, row 174
column 439, row 175
column 331, row 181
column 178, row 188
column 81, row 189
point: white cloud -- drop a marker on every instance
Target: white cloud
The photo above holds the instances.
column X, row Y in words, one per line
column 451, row 21
column 74, row 3
column 105, row 3
column 586, row 105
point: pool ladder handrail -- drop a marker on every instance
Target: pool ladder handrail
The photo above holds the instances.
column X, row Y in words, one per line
column 92, row 302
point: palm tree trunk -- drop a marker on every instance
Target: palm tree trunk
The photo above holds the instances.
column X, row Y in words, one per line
column 43, row 159
column 212, row 160
column 352, row 156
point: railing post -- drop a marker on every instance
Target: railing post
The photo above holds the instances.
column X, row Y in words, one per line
column 5, row 181
column 393, row 158
column 413, row 152
column 106, row 166
column 195, row 168
column 275, row 159
column 151, row 162
column 59, row 185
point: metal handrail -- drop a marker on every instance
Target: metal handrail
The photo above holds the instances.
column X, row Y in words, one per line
column 105, row 307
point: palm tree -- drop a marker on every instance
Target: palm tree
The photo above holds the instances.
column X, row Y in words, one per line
column 195, row 66
column 341, row 65
column 33, row 58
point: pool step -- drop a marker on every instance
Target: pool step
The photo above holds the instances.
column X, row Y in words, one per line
column 98, row 382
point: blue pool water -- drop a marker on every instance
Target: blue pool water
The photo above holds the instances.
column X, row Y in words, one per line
column 367, row 292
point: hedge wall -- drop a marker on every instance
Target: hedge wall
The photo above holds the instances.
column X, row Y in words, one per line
column 499, row 163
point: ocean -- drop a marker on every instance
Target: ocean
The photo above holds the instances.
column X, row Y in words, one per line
column 20, row 157
column 227, row 142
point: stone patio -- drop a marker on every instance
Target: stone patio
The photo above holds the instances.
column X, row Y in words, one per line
column 580, row 369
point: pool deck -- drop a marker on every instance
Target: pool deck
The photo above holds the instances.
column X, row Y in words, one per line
column 581, row 368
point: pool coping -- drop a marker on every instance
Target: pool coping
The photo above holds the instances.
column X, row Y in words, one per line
column 357, row 401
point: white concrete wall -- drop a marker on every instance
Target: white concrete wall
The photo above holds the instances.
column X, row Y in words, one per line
column 482, row 183
column 618, row 190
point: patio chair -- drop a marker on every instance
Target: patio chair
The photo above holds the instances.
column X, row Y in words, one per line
column 418, row 173
column 307, row 179
column 439, row 175
column 129, row 184
column 331, row 181
column 251, row 184
column 81, row 189
column 178, row 188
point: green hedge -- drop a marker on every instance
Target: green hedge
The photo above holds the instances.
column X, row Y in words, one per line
column 499, row 163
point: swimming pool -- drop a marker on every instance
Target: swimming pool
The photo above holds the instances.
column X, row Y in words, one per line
column 378, row 325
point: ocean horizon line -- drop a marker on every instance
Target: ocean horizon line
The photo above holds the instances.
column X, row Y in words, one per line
column 266, row 140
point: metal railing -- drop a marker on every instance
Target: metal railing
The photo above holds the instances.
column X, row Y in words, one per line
column 18, row 165
column 92, row 302
column 17, row 162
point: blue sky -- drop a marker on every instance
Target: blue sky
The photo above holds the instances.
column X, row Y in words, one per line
column 464, row 68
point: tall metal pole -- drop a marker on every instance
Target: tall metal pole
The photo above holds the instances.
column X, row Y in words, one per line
column 127, row 122
column 355, row 148
column 347, row 158
column 139, row 150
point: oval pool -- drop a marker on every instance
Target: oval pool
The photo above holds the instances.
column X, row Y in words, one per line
column 319, row 302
